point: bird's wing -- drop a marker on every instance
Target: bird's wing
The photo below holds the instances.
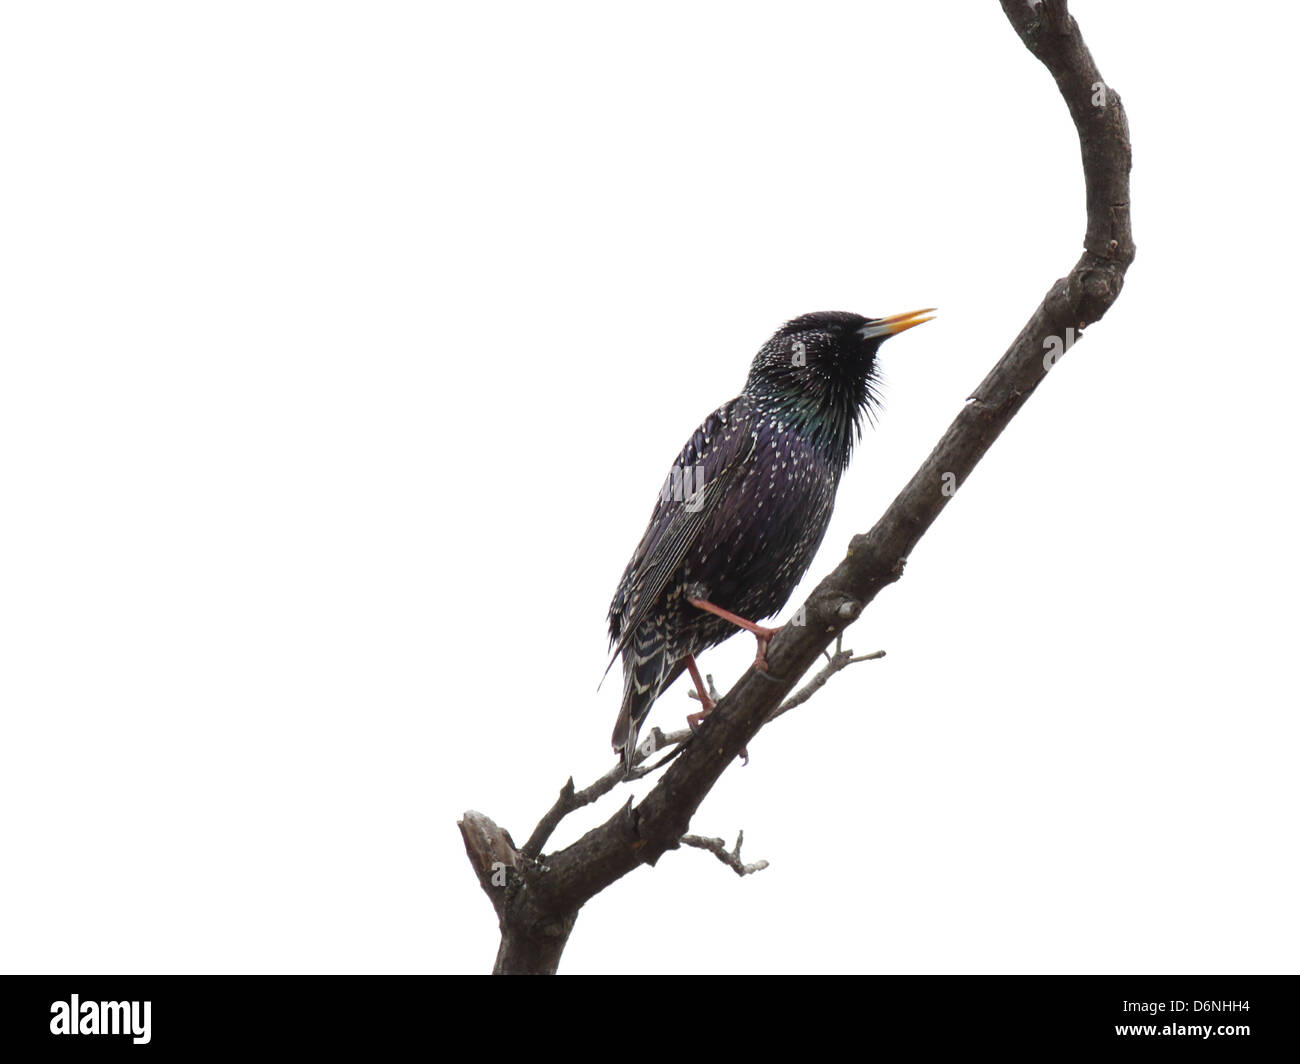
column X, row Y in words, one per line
column 712, row 460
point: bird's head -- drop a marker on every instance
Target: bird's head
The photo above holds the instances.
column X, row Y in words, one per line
column 819, row 372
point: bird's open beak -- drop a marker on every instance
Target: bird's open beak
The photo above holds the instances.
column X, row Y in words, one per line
column 896, row 323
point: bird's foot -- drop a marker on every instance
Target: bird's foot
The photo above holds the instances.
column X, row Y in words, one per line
column 764, row 636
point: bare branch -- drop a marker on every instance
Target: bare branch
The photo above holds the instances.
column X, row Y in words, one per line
column 537, row 917
column 719, row 849
column 841, row 659
column 492, row 853
column 569, row 799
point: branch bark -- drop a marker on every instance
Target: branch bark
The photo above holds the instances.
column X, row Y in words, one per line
column 537, row 897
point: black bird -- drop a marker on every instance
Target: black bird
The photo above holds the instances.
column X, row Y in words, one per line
column 745, row 506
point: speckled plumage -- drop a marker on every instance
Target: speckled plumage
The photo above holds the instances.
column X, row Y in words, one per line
column 747, row 502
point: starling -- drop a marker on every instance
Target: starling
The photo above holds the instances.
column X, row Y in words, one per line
column 745, row 506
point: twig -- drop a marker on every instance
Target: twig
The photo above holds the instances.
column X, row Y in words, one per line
column 719, row 850
column 569, row 799
column 841, row 659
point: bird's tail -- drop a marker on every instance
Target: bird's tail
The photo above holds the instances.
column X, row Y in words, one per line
column 635, row 708
column 648, row 668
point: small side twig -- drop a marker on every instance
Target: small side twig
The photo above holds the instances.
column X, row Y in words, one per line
column 719, row 850
column 841, row 659
column 713, row 691
column 571, row 799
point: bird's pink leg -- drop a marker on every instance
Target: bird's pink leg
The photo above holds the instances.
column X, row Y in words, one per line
column 763, row 635
column 707, row 704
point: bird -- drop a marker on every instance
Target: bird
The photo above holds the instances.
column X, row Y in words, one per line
column 744, row 507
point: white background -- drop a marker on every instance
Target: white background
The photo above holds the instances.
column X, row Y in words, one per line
column 346, row 346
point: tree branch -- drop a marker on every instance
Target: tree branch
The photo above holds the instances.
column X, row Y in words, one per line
column 543, row 895
column 719, row 849
column 571, row 799
column 841, row 659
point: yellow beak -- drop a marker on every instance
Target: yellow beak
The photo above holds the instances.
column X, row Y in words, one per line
column 896, row 323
